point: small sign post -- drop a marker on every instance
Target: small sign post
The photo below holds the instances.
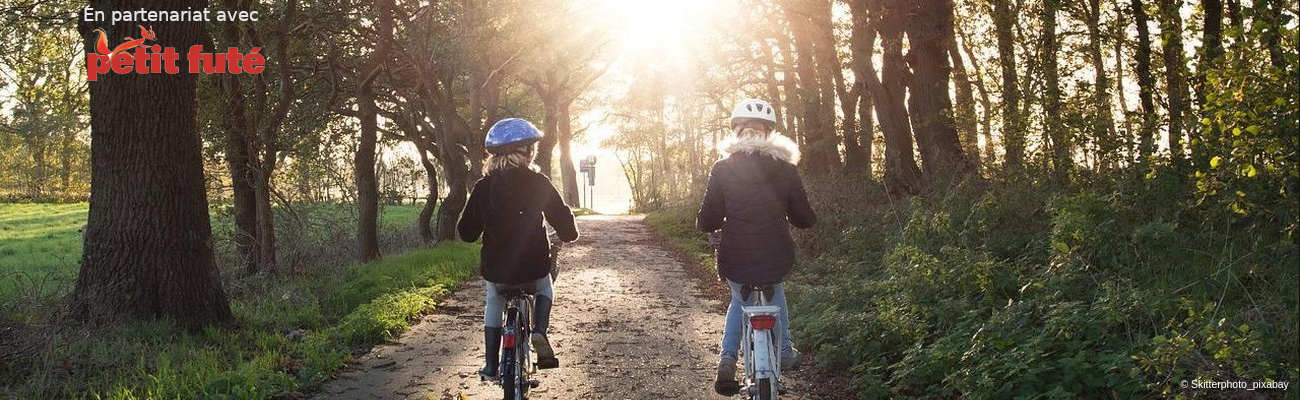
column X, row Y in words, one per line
column 588, row 167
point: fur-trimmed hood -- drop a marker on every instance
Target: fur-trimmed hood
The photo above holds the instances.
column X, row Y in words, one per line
column 775, row 146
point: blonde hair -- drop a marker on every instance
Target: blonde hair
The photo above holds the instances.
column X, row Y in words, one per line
column 520, row 157
column 742, row 132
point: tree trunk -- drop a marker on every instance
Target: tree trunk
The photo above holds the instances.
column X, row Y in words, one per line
column 967, row 126
column 364, row 162
column 1171, row 35
column 790, row 85
column 929, row 29
column 832, row 74
column 550, row 129
column 147, row 243
column 773, row 88
column 567, row 173
column 457, row 172
column 1055, row 134
column 986, row 105
column 1210, row 57
column 423, row 222
column 1013, row 137
column 265, row 221
column 862, row 44
column 1103, row 125
column 241, row 175
column 812, row 123
column 901, row 173
column 1146, row 84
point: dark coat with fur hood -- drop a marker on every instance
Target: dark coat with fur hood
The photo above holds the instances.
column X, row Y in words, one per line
column 507, row 208
column 754, row 195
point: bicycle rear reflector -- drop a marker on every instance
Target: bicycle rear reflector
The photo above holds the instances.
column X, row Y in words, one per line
column 762, row 322
column 509, row 341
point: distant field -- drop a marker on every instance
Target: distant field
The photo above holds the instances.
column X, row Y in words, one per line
column 40, row 244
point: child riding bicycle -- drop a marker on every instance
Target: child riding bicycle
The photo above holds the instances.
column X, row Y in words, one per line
column 752, row 193
column 507, row 207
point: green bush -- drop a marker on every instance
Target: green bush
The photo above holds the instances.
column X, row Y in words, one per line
column 1118, row 287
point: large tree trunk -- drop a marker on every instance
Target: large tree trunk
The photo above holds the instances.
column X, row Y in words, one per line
column 1171, row 35
column 862, row 45
column 364, row 162
column 929, row 29
column 1013, row 137
column 773, row 87
column 457, row 172
column 1053, row 130
column 901, row 173
column 147, row 245
column 567, row 173
column 832, row 73
column 550, row 129
column 1146, row 84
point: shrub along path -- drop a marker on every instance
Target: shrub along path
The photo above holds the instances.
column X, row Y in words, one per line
column 629, row 322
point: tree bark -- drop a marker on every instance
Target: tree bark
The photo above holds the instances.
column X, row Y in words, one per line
column 967, row 126
column 1013, row 137
column 1146, row 84
column 832, row 73
column 1171, row 34
column 901, row 173
column 929, row 29
column 423, row 223
column 567, row 172
column 1211, row 55
column 147, row 244
column 986, row 105
column 862, row 46
column 550, row 129
column 241, row 175
column 816, row 141
column 364, row 161
column 1055, row 134
column 1103, row 125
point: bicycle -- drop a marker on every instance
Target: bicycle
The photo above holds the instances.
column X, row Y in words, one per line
column 759, row 343
column 516, row 356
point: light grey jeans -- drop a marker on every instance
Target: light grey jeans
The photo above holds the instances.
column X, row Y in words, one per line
column 494, row 304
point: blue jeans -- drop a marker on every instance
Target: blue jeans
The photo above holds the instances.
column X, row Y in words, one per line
column 736, row 318
column 494, row 305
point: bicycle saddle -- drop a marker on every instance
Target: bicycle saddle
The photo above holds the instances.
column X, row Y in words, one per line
column 748, row 289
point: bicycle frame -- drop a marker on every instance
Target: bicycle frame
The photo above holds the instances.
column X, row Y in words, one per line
column 759, row 349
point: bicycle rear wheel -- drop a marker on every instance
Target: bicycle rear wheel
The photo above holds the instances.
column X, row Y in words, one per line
column 764, row 389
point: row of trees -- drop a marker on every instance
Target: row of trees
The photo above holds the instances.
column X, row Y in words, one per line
column 910, row 91
column 344, row 79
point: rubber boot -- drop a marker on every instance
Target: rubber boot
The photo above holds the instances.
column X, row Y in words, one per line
column 725, row 383
column 541, row 319
column 491, row 354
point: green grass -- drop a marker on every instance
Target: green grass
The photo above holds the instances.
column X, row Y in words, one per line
column 40, row 243
column 338, row 308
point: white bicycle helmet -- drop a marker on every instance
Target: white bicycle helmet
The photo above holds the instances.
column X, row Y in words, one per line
column 753, row 108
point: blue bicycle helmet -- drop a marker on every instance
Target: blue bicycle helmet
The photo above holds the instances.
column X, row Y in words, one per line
column 511, row 131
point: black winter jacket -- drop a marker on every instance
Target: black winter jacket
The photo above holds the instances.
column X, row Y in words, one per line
column 507, row 207
column 751, row 195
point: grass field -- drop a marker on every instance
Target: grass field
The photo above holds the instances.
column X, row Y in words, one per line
column 40, row 243
column 290, row 331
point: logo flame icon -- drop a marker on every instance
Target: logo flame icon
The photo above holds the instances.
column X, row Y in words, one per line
column 101, row 45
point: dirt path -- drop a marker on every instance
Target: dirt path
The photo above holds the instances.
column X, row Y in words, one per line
column 628, row 323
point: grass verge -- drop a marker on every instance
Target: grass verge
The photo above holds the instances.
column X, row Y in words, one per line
column 290, row 335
